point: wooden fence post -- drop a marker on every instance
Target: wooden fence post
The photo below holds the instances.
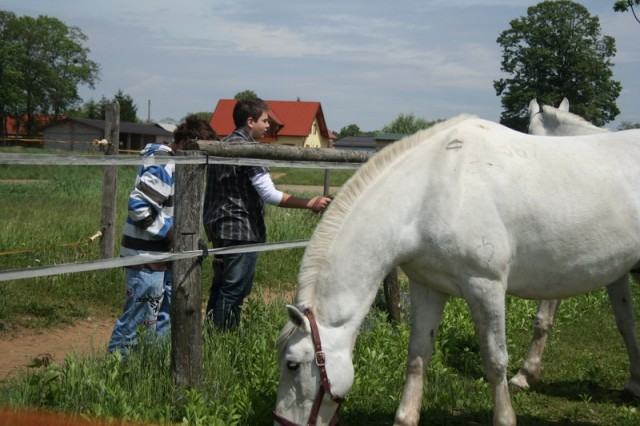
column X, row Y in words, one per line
column 186, row 297
column 109, row 182
column 391, row 289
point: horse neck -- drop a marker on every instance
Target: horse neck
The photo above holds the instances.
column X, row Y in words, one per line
column 351, row 272
column 577, row 129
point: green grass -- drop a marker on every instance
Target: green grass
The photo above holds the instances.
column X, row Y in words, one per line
column 584, row 370
column 287, row 176
column 585, row 364
column 48, row 212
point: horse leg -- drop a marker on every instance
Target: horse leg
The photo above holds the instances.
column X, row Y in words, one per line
column 543, row 321
column 427, row 306
column 486, row 299
column 622, row 304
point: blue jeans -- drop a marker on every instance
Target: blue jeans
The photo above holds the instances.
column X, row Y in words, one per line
column 147, row 304
column 231, row 284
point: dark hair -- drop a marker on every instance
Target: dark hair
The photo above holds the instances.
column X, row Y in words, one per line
column 194, row 128
column 248, row 108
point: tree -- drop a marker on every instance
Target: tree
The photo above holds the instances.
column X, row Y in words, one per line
column 52, row 62
column 350, row 130
column 246, row 94
column 10, row 75
column 91, row 109
column 557, row 50
column 407, row 124
column 626, row 5
column 96, row 110
column 128, row 109
column 203, row 115
column 628, row 125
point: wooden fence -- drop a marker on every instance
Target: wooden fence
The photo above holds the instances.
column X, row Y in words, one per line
column 189, row 251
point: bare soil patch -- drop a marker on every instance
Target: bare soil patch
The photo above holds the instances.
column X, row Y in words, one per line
column 90, row 336
column 19, row 349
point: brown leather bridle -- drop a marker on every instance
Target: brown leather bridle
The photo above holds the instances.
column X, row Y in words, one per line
column 325, row 385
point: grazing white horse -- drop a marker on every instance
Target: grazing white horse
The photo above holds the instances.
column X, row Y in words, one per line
column 550, row 121
column 467, row 208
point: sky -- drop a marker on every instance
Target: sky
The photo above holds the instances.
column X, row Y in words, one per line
column 365, row 61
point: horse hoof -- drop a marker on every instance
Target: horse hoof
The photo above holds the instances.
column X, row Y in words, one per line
column 518, row 383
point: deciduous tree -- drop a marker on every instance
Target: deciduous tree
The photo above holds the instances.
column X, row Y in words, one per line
column 52, row 62
column 350, row 130
column 245, row 94
column 557, row 50
column 407, row 124
column 626, row 5
column 628, row 125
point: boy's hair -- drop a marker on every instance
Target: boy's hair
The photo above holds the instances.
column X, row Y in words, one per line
column 248, row 108
column 194, row 128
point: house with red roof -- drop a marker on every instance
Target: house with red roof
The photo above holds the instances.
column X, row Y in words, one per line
column 295, row 123
column 16, row 127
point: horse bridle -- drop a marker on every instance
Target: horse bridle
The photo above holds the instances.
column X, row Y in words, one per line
column 325, row 385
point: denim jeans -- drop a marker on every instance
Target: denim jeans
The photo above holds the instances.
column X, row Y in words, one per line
column 147, row 304
column 231, row 284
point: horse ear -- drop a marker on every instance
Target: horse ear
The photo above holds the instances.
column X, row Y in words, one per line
column 564, row 105
column 296, row 317
column 534, row 108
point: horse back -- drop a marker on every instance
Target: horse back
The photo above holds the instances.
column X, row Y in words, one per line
column 529, row 209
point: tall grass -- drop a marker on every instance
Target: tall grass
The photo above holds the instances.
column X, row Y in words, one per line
column 585, row 363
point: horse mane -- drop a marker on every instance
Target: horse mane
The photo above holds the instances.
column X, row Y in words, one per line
column 567, row 117
column 315, row 261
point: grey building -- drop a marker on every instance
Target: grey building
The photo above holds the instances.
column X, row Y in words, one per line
column 367, row 143
column 77, row 134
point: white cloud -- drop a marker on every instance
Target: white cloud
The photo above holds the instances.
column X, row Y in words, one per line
column 365, row 61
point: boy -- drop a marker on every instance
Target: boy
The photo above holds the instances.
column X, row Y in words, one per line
column 234, row 215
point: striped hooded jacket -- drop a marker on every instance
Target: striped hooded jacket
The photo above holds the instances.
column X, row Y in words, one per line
column 150, row 211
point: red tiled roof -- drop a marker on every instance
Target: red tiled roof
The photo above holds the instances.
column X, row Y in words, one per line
column 222, row 118
column 11, row 124
column 294, row 117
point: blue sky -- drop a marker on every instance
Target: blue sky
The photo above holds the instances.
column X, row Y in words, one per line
column 366, row 61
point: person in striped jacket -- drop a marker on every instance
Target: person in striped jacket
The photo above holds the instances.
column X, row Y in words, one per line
column 149, row 231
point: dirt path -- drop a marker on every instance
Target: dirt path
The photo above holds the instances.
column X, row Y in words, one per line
column 85, row 337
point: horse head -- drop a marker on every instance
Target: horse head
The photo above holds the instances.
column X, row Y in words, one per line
column 315, row 372
column 550, row 121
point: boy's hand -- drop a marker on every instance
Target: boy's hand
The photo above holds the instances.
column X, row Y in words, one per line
column 319, row 203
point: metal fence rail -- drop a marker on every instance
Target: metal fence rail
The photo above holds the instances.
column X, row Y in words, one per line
column 67, row 268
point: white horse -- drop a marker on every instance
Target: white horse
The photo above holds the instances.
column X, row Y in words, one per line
column 550, row 121
column 467, row 208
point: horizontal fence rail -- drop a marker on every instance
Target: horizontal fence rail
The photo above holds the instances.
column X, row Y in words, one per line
column 127, row 160
column 66, row 268
column 213, row 152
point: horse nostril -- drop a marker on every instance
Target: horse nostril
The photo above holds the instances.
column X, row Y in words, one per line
column 292, row 366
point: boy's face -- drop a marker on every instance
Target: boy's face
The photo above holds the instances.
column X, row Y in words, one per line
column 259, row 127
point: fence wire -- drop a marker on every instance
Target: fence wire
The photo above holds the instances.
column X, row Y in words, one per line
column 67, row 268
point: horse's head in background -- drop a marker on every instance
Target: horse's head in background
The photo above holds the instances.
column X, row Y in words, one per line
column 550, row 121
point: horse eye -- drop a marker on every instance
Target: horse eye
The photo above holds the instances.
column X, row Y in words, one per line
column 292, row 366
